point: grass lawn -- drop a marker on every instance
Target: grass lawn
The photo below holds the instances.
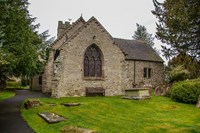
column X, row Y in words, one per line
column 6, row 94
column 116, row 115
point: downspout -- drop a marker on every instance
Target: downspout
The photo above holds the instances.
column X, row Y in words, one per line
column 134, row 74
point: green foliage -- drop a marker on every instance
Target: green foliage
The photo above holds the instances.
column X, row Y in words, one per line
column 183, row 67
column 178, row 26
column 20, row 44
column 117, row 115
column 15, row 85
column 141, row 34
column 186, row 91
column 6, row 94
column 178, row 73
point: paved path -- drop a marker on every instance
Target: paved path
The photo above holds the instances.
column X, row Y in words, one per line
column 10, row 118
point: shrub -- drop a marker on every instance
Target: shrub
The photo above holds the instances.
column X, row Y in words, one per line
column 178, row 73
column 13, row 84
column 186, row 91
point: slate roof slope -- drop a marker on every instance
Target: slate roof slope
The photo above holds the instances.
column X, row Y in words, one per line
column 136, row 50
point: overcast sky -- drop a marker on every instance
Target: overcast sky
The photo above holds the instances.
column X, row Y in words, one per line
column 119, row 17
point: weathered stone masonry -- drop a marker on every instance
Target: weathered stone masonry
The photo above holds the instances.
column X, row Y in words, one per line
column 64, row 72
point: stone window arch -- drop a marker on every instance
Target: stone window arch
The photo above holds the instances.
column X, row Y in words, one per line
column 93, row 59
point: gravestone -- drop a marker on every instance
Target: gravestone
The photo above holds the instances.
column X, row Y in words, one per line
column 70, row 104
column 198, row 103
column 158, row 91
column 136, row 93
column 51, row 117
column 148, row 86
column 71, row 129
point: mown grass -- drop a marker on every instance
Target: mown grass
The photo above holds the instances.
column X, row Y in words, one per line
column 6, row 94
column 117, row 115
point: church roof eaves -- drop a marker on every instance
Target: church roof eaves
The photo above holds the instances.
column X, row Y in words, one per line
column 137, row 50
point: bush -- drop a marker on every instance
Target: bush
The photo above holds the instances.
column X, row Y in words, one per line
column 13, row 84
column 178, row 73
column 186, row 91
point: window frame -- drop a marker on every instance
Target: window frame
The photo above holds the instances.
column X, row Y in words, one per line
column 147, row 72
column 94, row 60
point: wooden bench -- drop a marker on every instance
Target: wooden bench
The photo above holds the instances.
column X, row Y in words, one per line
column 95, row 91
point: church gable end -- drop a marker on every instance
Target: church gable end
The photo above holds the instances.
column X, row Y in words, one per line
column 89, row 57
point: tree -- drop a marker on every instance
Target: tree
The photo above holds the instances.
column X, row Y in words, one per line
column 178, row 26
column 187, row 63
column 141, row 34
column 19, row 40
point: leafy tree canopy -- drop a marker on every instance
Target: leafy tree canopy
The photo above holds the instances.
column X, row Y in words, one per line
column 179, row 26
column 187, row 63
column 20, row 42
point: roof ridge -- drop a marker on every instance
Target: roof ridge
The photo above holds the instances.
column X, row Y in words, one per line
column 83, row 26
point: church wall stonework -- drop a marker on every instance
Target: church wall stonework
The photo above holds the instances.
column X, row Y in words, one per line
column 71, row 80
column 48, row 74
column 64, row 76
column 70, row 31
column 35, row 81
column 136, row 73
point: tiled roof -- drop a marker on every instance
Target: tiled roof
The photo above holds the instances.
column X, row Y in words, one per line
column 137, row 50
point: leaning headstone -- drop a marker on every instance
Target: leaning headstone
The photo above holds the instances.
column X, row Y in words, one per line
column 198, row 103
column 70, row 104
column 149, row 87
column 158, row 91
column 163, row 89
column 51, row 117
column 71, row 129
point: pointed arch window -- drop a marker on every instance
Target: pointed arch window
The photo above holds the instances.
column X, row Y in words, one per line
column 93, row 62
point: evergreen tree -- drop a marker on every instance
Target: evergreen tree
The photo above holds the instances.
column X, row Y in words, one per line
column 179, row 26
column 141, row 34
column 19, row 40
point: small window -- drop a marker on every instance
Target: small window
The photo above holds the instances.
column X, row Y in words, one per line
column 40, row 80
column 147, row 72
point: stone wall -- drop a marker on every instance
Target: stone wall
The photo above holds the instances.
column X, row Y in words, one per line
column 48, row 73
column 70, row 80
column 35, row 83
column 62, row 27
column 71, row 30
column 157, row 73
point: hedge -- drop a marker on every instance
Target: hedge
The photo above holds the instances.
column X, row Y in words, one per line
column 186, row 91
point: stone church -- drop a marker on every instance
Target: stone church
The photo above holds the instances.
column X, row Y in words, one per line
column 85, row 55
